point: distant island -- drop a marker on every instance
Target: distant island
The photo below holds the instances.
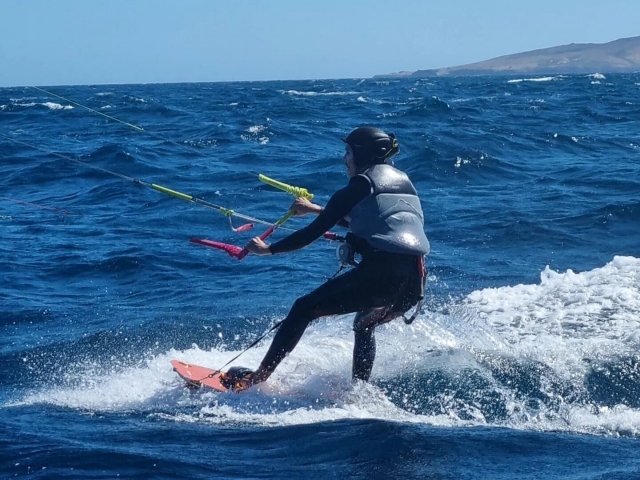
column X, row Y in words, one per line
column 619, row 56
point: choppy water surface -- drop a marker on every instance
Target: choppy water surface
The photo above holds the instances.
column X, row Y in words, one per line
column 523, row 364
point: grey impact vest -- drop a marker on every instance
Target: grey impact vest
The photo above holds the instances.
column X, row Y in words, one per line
column 391, row 218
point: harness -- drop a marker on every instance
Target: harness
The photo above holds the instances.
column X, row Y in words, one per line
column 349, row 246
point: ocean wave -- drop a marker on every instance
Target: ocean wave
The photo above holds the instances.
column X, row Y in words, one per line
column 558, row 136
column 598, row 305
column 318, row 94
column 559, row 355
column 426, row 107
column 501, row 342
column 257, row 129
column 110, row 152
column 256, row 134
column 49, row 105
column 536, row 79
column 57, row 106
column 136, row 99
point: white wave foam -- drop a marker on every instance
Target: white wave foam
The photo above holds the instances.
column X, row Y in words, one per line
column 597, row 76
column 256, row 129
column 313, row 94
column 57, row 106
column 540, row 79
column 559, row 322
column 568, row 313
column 49, row 105
column 361, row 99
column 263, row 140
column 461, row 161
column 312, row 384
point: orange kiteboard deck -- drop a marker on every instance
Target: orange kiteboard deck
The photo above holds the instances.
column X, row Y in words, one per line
column 198, row 377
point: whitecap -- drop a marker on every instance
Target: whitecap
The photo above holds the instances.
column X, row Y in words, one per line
column 256, row 129
column 49, row 105
column 461, row 161
column 559, row 322
column 313, row 94
column 581, row 308
column 57, row 106
column 540, row 79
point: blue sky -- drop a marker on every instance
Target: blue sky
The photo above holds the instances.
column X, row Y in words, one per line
column 68, row 42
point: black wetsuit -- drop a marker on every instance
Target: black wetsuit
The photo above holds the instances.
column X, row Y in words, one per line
column 382, row 279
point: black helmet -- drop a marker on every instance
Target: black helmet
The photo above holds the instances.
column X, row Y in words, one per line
column 371, row 145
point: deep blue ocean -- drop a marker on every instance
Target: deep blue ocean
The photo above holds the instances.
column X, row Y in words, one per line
column 524, row 362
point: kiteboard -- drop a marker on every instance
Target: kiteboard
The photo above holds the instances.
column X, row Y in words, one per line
column 198, row 377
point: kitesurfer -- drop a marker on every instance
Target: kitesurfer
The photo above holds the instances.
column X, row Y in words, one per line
column 381, row 208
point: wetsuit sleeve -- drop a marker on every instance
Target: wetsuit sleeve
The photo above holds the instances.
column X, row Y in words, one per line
column 339, row 205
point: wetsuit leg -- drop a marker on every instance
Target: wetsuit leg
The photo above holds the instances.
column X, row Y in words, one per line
column 357, row 290
column 378, row 281
column 364, row 348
